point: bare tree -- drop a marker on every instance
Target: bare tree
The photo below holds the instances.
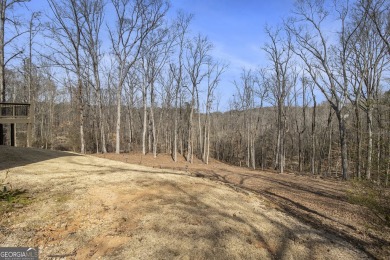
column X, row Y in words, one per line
column 135, row 20
column 46, row 115
column 378, row 11
column 131, row 92
column 33, row 30
column 66, row 31
column 214, row 72
column 156, row 51
column 167, row 82
column 93, row 14
column 355, row 98
column 279, row 51
column 263, row 86
column 197, row 57
column 313, row 132
column 246, row 103
column 388, row 141
column 300, row 120
column 326, row 62
column 367, row 64
column 6, row 6
column 177, row 70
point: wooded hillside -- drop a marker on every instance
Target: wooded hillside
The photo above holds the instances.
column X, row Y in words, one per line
column 145, row 82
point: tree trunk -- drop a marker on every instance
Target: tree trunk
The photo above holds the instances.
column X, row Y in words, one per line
column 145, row 121
column 200, row 144
column 118, row 119
column 82, row 139
column 313, row 150
column 31, row 89
column 154, row 138
column 388, row 162
column 95, row 130
column 282, row 146
column 378, row 158
column 190, row 126
column 182, row 144
column 330, row 142
column 388, row 153
column 205, row 138
column 2, row 62
column 253, row 156
column 208, row 143
column 358, row 140
column 131, row 124
column 343, row 144
column 387, row 171
column 300, row 152
column 313, row 135
column 154, row 134
column 157, row 133
column 174, row 150
column 81, row 104
column 248, row 147
column 101, row 123
column 277, row 152
column 369, row 145
column 262, row 154
column 149, row 132
column 189, row 141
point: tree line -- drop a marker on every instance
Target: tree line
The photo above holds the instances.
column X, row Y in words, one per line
column 140, row 80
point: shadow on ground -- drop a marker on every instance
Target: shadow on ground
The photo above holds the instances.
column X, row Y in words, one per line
column 321, row 203
column 11, row 157
column 279, row 192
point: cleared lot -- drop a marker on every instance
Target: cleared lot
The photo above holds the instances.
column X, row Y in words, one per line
column 82, row 207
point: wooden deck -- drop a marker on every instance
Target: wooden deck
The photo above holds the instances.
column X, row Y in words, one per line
column 15, row 113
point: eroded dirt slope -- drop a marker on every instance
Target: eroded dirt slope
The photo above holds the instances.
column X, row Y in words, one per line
column 84, row 207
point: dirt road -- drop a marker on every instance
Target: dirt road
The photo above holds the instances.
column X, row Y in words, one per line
column 84, row 207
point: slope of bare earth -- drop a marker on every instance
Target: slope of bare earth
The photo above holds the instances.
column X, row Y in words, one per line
column 321, row 203
column 84, row 207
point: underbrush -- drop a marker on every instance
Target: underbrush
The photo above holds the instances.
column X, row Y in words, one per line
column 12, row 198
column 374, row 197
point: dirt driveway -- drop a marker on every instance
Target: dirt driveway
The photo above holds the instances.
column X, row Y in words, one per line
column 84, row 207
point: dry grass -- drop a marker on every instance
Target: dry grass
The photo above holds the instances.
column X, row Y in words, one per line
column 86, row 207
column 342, row 208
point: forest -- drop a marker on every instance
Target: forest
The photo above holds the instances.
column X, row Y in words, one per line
column 124, row 76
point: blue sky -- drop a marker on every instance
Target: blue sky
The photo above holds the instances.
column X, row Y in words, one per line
column 235, row 27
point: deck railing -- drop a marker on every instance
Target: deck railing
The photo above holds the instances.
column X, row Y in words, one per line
column 18, row 112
